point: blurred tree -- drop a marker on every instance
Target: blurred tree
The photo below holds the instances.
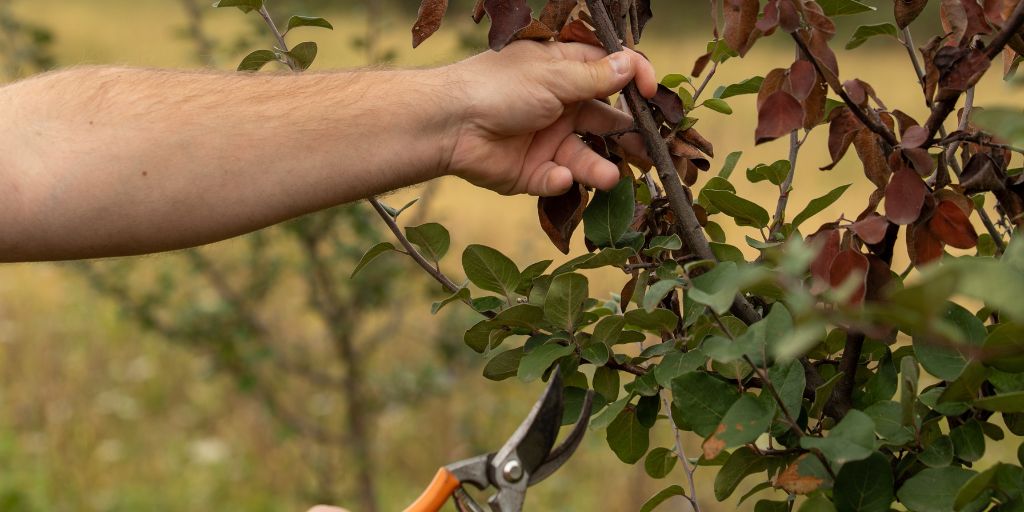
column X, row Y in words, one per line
column 25, row 48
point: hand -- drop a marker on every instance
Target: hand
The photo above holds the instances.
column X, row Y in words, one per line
column 524, row 107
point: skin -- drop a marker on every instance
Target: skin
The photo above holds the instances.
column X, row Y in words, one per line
column 107, row 161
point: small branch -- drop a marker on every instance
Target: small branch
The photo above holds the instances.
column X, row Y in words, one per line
column 282, row 45
column 843, row 392
column 637, row 370
column 688, row 468
column 872, row 124
column 780, row 209
column 908, row 43
column 439, row 276
column 679, row 200
column 707, row 79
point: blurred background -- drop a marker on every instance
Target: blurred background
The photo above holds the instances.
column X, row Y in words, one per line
column 254, row 374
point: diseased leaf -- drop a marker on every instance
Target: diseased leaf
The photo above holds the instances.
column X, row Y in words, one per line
column 805, row 475
column 743, row 423
column 556, row 13
column 508, row 17
column 560, row 215
column 906, row 11
column 780, row 114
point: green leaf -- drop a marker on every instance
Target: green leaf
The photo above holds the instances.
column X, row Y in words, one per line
column 677, row 363
column 730, row 163
column 606, row 383
column 818, row 204
column 608, row 329
column 432, row 239
column 461, row 295
column 256, row 60
column 937, row 454
column 743, row 423
column 1007, row 123
column 657, row 321
column 718, row 105
column 659, row 462
column 968, row 441
column 865, row 32
column 538, row 360
column 749, row 86
column 374, row 251
column 717, row 288
column 817, row 503
column 852, row 439
column 790, row 381
column 909, row 377
column 394, row 213
column 609, row 414
column 627, row 437
column 1003, row 478
column 947, row 363
column 744, row 212
column 303, row 54
column 564, row 303
column 933, row 488
column 1006, row 402
column 490, row 270
column 609, row 214
column 596, row 353
column 307, row 21
column 864, row 485
column 887, row 416
column 843, row 7
column 775, row 173
column 663, row 243
column 822, row 394
column 1008, row 339
column 742, row 463
column 674, row 80
column 504, row 365
column 654, row 501
column 703, row 399
column 658, row 291
column 244, row 5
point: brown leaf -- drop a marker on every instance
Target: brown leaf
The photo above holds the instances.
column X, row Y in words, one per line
column 931, row 79
column 858, row 91
column 802, row 79
column 536, row 31
column 700, row 64
column 789, row 18
column 577, row 32
column 556, row 13
column 850, row 264
column 693, row 137
column 818, row 45
column 879, row 276
column 982, row 174
column 921, row 161
column 508, row 17
column 814, row 105
column 669, row 105
column 956, row 198
column 770, row 20
column 829, row 241
column 740, row 17
column 904, row 120
column 914, row 136
column 686, row 169
column 626, row 295
column 906, row 11
column 428, row 20
column 644, row 13
column 842, row 129
column 680, row 148
column 792, row 481
column 965, row 71
column 869, row 150
column 478, row 11
column 871, row 229
column 954, row 20
column 952, row 227
column 561, row 215
column 815, row 17
column 904, row 196
column 977, row 24
column 922, row 245
column 714, row 445
column 772, row 82
column 780, row 114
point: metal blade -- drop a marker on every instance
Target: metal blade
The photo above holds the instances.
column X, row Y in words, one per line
column 565, row 450
column 532, row 441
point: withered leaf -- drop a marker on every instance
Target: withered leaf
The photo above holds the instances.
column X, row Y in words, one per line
column 842, row 130
column 802, row 79
column 964, row 72
column 478, row 11
column 428, row 20
column 772, row 82
column 920, row 160
column 977, row 23
column 818, row 45
column 556, row 13
column 982, row 174
column 770, row 20
column 740, row 17
column 829, row 247
column 791, row 480
column 879, row 276
column 644, row 13
column 669, row 104
column 626, row 296
column 536, row 31
column 789, row 18
column 780, row 114
column 904, row 120
column 954, row 20
column 846, row 265
column 904, row 196
column 814, row 105
column 952, row 227
column 693, row 137
column 561, row 215
column 578, row 32
column 508, row 17
column 906, row 11
column 922, row 245
column 931, row 78
column 700, row 64
column 869, row 150
column 817, row 18
column 871, row 229
column 914, row 136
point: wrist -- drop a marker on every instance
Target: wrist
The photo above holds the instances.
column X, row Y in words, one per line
column 448, row 94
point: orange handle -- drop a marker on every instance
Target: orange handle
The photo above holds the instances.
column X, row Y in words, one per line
column 440, row 489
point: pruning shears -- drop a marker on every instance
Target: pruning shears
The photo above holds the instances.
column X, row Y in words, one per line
column 526, row 459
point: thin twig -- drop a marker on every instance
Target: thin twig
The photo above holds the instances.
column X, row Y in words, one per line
column 448, row 285
column 787, row 185
column 688, row 468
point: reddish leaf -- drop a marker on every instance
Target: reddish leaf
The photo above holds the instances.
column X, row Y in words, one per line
column 627, row 292
column 842, row 129
column 508, row 17
column 914, row 136
column 740, row 17
column 780, row 114
column 770, row 20
column 904, row 120
column 818, row 45
column 907, row 11
column 556, row 13
column 922, row 245
column 850, row 264
column 686, row 169
column 577, row 32
column 772, row 82
column 964, row 72
column 536, row 31
column 789, row 18
column 693, row 137
column 829, row 240
column 802, row 79
column 669, row 104
column 680, row 148
column 869, row 150
column 561, row 215
column 478, row 11
column 951, row 225
column 428, row 20
column 982, row 174
column 700, row 64
column 871, row 229
column 858, row 91
column 904, row 196
column 954, row 20
column 815, row 17
column 931, row 78
column 920, row 160
column 976, row 22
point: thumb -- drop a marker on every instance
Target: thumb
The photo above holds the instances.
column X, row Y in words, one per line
column 581, row 81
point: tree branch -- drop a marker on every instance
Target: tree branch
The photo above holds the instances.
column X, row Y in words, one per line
column 679, row 199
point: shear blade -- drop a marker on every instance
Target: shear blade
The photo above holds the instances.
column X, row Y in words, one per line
column 561, row 454
column 531, row 443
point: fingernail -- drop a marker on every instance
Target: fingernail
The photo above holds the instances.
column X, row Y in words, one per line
column 620, row 63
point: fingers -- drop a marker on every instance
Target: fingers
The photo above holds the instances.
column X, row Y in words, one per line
column 549, row 179
column 581, row 78
column 601, row 118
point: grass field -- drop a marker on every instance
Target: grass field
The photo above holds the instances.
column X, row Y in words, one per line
column 96, row 414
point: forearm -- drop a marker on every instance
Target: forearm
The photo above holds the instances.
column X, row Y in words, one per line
column 111, row 161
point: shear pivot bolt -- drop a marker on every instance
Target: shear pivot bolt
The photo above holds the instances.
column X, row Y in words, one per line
column 512, row 471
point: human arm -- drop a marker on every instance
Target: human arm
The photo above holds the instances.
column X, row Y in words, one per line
column 113, row 161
